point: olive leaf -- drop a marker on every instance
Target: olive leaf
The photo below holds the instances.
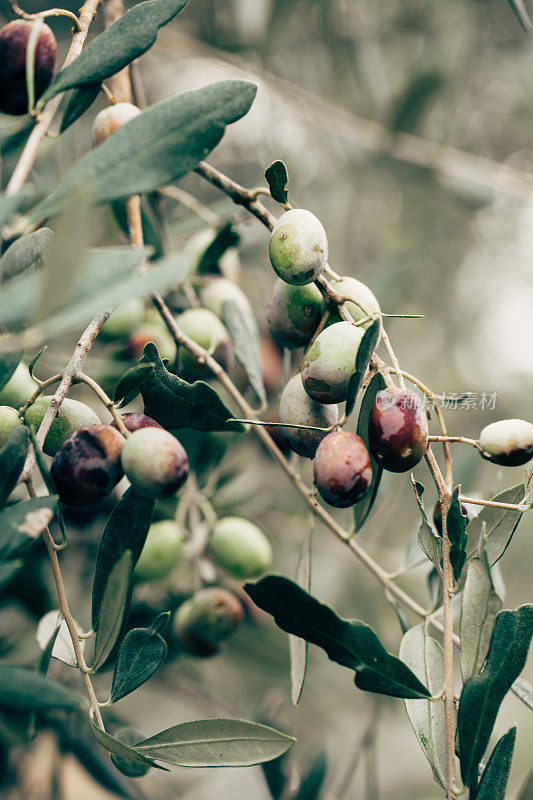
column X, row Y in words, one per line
column 244, row 335
column 483, row 694
column 23, row 689
column 499, row 524
column 9, row 361
column 14, row 519
column 423, row 655
column 415, row 99
column 225, row 238
column 350, row 643
column 79, row 102
column 363, row 508
column 10, row 204
column 118, row 748
column 365, row 351
column 113, row 607
column 12, row 457
column 519, row 9
column 125, row 530
column 155, row 148
column 174, row 403
column 277, row 179
column 27, row 253
column 129, row 384
column 456, row 527
column 52, row 627
column 493, row 783
column 116, row 47
column 298, row 647
column 428, row 540
column 312, row 784
column 141, row 653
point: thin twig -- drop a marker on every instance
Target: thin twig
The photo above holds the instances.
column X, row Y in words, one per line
column 106, row 400
column 192, row 203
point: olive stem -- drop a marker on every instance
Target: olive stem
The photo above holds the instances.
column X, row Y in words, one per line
column 50, row 12
column 461, row 439
column 40, row 389
column 192, row 203
column 494, row 504
column 283, row 425
column 106, row 400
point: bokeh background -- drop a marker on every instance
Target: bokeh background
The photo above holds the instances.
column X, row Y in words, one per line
column 406, row 127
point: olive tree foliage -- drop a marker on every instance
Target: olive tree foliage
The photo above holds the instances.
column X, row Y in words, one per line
column 186, row 353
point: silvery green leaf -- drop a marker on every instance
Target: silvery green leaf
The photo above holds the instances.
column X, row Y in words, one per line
column 63, row 649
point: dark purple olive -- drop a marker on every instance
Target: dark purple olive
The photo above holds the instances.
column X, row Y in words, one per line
column 87, row 467
column 14, row 39
column 343, row 472
column 398, row 429
column 134, row 420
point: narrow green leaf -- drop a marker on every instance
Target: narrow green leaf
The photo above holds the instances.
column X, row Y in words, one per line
column 141, row 653
column 216, row 743
column 364, row 507
column 126, row 529
column 277, row 179
column 12, row 458
column 174, row 403
column 35, row 359
column 28, row 252
column 16, row 522
column 10, row 204
column 53, row 626
column 244, row 335
column 129, row 384
column 367, row 346
column 109, row 742
column 414, row 101
column 483, row 694
column 427, row 539
column 500, row 524
column 113, row 608
column 298, row 647
column 522, row 15
column 423, row 655
column 350, row 643
column 155, row 148
column 225, row 238
column 312, row 784
column 116, row 47
column 456, row 527
column 23, row 689
column 493, row 783
column 9, row 361
column 78, row 103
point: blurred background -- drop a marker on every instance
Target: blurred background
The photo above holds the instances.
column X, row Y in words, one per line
column 406, row 127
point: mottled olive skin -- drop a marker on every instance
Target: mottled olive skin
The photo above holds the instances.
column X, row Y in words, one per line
column 162, row 551
column 294, row 313
column 398, row 429
column 218, row 291
column 508, row 442
column 155, row 462
column 240, row 547
column 351, row 287
column 71, row 416
column 9, row 420
column 151, row 332
column 132, row 769
column 14, row 39
column 330, row 362
column 298, row 247
column 110, row 119
column 207, row 619
column 87, row 467
column 437, row 515
column 295, row 406
column 123, row 321
column 206, row 329
column 19, row 388
column 133, row 421
column 342, row 469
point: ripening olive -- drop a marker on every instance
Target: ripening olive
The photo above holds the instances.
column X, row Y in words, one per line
column 351, row 287
column 133, row 769
column 207, row 619
column 508, row 442
column 9, row 420
column 206, row 329
column 134, row 420
column 19, row 388
column 125, row 318
column 155, row 462
column 398, row 429
column 240, row 547
column 14, row 38
column 162, row 551
column 110, row 119
column 298, row 247
column 437, row 515
column 87, row 467
column 151, row 332
column 294, row 313
column 71, row 416
column 296, row 407
column 218, row 291
column 330, row 362
column 342, row 468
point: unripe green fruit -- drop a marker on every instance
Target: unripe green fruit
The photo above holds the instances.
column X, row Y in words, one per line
column 204, row 328
column 9, row 420
column 298, row 247
column 19, row 388
column 229, row 264
column 351, row 287
column 162, row 551
column 508, row 442
column 151, row 332
column 110, row 119
column 295, row 406
column 155, row 462
column 207, row 619
column 72, row 416
column 132, row 769
column 240, row 547
column 221, row 290
column 14, row 39
column 124, row 319
column 330, row 362
column 294, row 313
